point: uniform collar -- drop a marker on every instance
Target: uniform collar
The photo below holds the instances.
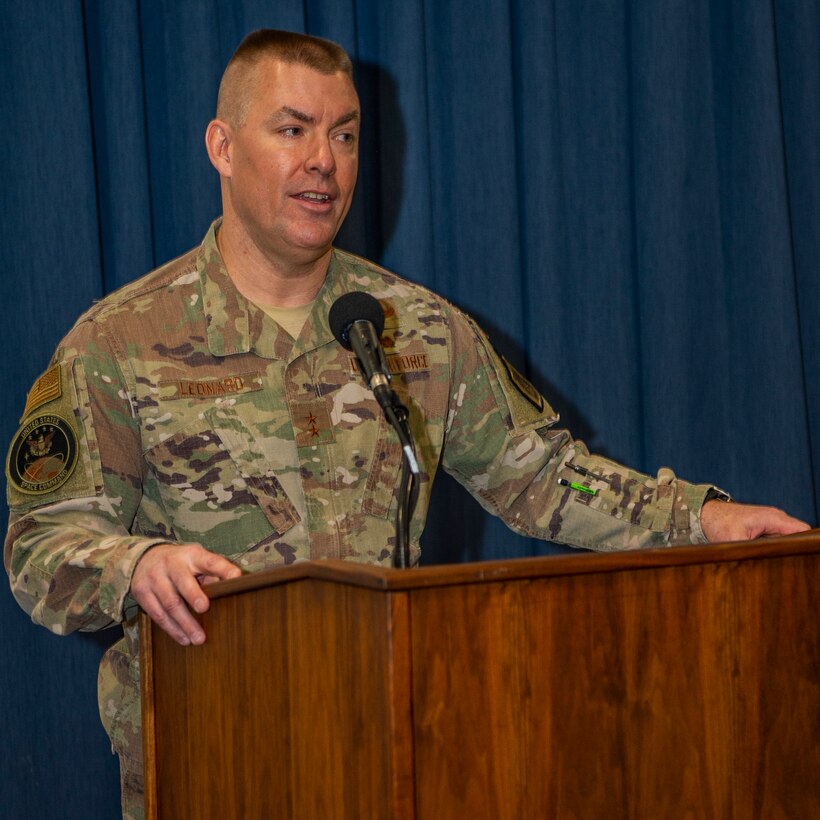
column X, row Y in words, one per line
column 316, row 331
column 235, row 325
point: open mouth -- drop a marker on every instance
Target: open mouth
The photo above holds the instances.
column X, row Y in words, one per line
column 313, row 196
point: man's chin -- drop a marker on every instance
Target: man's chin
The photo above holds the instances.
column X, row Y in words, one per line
column 312, row 242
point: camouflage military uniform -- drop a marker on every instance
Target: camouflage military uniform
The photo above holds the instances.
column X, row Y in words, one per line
column 175, row 410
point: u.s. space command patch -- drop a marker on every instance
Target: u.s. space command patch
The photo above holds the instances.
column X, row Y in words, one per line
column 43, row 455
column 523, row 386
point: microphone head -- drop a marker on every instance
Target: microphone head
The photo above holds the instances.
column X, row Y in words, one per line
column 354, row 307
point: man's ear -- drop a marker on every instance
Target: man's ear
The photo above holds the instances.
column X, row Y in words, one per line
column 218, row 142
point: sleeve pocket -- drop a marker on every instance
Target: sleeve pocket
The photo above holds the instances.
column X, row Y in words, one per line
column 621, row 494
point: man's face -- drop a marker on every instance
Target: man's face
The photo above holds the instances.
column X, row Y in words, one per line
column 294, row 160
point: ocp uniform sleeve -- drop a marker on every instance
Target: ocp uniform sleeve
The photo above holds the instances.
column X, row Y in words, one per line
column 74, row 486
column 503, row 444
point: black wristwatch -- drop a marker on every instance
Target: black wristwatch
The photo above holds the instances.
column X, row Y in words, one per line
column 716, row 494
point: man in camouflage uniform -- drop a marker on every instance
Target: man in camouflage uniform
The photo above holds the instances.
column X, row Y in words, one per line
column 181, row 434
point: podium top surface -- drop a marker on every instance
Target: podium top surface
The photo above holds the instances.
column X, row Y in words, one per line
column 387, row 579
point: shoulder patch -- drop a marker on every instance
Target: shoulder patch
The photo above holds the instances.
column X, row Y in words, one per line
column 528, row 409
column 45, row 389
column 523, row 386
column 43, row 454
column 51, row 457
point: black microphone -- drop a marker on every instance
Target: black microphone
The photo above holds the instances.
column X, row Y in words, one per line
column 357, row 321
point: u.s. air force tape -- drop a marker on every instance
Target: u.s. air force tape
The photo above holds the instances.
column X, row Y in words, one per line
column 43, row 455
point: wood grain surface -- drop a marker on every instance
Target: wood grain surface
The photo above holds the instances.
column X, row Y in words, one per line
column 681, row 683
column 295, row 707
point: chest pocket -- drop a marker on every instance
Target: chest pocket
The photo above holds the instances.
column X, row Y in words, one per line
column 385, row 469
column 215, row 493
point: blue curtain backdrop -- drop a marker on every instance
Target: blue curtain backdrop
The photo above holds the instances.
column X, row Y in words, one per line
column 625, row 193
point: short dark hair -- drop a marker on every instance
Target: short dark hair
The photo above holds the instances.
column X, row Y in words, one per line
column 321, row 55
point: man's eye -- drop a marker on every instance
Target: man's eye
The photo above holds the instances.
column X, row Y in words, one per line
column 291, row 131
column 346, row 137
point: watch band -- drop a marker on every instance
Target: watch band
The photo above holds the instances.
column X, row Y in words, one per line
column 716, row 494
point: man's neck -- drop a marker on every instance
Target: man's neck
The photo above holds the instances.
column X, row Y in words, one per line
column 271, row 282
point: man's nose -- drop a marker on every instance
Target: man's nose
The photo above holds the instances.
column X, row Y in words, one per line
column 321, row 158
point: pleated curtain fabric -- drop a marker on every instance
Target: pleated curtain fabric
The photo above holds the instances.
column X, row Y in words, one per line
column 623, row 194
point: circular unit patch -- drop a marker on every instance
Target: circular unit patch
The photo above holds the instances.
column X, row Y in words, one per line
column 43, row 455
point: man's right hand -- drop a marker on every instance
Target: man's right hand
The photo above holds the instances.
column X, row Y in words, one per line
column 167, row 584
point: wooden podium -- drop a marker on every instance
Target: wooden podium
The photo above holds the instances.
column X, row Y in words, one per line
column 658, row 684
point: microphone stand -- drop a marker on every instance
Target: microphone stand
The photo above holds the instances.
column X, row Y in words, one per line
column 397, row 414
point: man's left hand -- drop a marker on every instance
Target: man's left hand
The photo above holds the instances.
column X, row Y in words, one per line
column 727, row 521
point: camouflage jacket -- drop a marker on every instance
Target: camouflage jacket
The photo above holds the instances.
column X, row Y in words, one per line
column 175, row 410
